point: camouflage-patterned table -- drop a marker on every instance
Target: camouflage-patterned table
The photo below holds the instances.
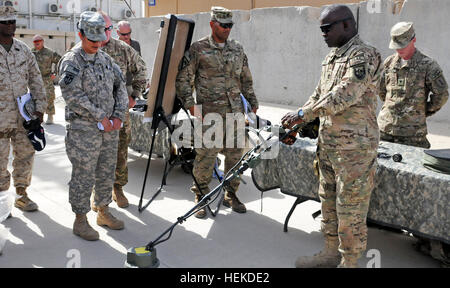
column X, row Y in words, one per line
column 407, row 195
column 141, row 136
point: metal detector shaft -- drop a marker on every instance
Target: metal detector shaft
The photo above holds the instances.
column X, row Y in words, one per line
column 244, row 166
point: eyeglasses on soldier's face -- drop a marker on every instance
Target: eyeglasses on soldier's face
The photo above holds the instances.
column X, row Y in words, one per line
column 327, row 27
column 124, row 34
column 226, row 25
column 8, row 22
column 109, row 28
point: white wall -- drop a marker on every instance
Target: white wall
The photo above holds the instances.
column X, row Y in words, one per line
column 285, row 46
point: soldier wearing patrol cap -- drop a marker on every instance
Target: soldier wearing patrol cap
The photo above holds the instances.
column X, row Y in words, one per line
column 412, row 88
column 19, row 73
column 219, row 68
column 96, row 100
column 45, row 58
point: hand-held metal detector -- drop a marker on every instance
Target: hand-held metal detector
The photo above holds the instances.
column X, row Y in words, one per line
column 145, row 256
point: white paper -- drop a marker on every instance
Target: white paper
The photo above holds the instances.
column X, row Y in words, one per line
column 21, row 100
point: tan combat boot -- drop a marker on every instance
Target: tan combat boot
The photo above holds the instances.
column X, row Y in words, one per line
column 82, row 228
column 49, row 120
column 231, row 200
column 104, row 218
column 119, row 197
column 349, row 261
column 329, row 257
column 202, row 212
column 24, row 203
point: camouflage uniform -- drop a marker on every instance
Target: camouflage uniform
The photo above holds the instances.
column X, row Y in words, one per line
column 130, row 63
column 45, row 58
column 404, row 89
column 346, row 103
column 219, row 75
column 18, row 73
column 93, row 89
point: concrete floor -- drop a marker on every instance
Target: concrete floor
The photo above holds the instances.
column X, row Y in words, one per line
column 254, row 239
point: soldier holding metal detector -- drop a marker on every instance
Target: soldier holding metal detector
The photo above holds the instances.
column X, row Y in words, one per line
column 345, row 100
column 218, row 69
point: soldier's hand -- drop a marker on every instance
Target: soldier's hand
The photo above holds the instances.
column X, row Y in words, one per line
column 131, row 102
column 52, row 76
column 290, row 120
column 107, row 126
column 117, row 123
column 290, row 139
column 40, row 116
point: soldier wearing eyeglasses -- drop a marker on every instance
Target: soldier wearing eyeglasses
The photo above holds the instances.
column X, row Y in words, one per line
column 124, row 33
column 346, row 102
column 131, row 64
column 412, row 88
column 19, row 72
column 217, row 67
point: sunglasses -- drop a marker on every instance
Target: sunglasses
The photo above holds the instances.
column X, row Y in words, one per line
column 37, row 41
column 8, row 22
column 92, row 40
column 226, row 25
column 124, row 34
column 109, row 28
column 327, row 27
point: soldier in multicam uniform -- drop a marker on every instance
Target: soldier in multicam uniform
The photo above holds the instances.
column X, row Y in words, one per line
column 96, row 101
column 18, row 73
column 406, row 82
column 45, row 58
column 345, row 100
column 124, row 33
column 218, row 68
column 131, row 64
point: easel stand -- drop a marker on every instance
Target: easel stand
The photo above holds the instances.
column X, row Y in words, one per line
column 175, row 38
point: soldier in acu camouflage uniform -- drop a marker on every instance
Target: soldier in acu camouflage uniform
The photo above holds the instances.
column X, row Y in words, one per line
column 345, row 100
column 45, row 58
column 218, row 68
column 96, row 101
column 132, row 65
column 409, row 78
column 18, row 73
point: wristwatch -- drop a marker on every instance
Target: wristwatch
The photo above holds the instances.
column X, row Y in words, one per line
column 300, row 113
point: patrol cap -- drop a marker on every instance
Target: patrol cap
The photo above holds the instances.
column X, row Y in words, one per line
column 37, row 37
column 93, row 26
column 221, row 15
column 7, row 12
column 401, row 35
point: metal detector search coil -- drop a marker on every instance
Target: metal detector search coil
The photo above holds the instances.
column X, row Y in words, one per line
column 140, row 257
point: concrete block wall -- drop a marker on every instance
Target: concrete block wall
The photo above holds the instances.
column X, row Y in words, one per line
column 285, row 47
column 56, row 40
